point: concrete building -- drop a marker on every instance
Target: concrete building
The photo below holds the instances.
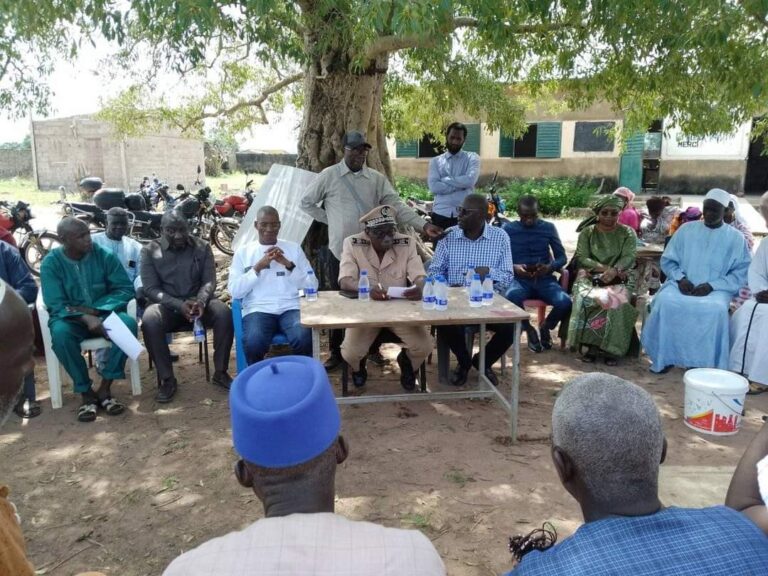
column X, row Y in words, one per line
column 67, row 149
column 578, row 144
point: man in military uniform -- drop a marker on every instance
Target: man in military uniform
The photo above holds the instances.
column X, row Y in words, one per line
column 340, row 195
column 391, row 260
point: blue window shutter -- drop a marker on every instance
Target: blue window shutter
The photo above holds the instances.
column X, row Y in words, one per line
column 548, row 140
column 506, row 146
column 472, row 142
column 407, row 148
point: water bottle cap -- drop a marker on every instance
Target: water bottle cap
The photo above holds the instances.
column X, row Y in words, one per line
column 363, row 272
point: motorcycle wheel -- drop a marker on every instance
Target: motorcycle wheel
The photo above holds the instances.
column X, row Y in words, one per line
column 222, row 235
column 36, row 247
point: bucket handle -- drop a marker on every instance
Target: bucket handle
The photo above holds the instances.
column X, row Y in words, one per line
column 728, row 406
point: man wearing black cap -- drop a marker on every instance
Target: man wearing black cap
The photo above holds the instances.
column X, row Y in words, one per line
column 285, row 428
column 343, row 193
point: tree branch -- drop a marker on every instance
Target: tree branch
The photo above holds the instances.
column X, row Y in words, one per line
column 393, row 43
column 254, row 102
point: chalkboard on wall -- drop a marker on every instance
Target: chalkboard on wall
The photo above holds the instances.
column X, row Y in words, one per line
column 593, row 137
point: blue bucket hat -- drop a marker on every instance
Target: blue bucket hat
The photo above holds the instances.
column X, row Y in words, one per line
column 283, row 412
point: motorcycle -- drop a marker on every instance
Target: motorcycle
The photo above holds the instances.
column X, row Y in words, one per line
column 236, row 205
column 143, row 226
column 206, row 222
column 496, row 204
column 33, row 245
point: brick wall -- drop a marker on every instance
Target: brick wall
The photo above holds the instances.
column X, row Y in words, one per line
column 15, row 163
column 68, row 149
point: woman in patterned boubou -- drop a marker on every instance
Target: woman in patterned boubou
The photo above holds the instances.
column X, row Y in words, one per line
column 603, row 317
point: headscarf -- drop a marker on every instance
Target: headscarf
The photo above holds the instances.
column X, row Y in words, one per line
column 737, row 212
column 613, row 201
column 624, row 192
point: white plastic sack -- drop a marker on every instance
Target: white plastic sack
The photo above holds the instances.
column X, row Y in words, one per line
column 282, row 189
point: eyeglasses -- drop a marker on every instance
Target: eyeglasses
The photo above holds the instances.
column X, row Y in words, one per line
column 460, row 210
column 381, row 232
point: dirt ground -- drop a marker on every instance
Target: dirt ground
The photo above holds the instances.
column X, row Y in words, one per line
column 127, row 494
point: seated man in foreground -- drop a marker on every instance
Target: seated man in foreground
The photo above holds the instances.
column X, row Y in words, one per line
column 15, row 272
column 16, row 361
column 537, row 253
column 179, row 276
column 607, row 445
column 285, row 428
column 267, row 276
column 82, row 284
column 391, row 260
column 706, row 263
column 486, row 248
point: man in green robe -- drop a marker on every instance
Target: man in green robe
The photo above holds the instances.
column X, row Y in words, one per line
column 82, row 284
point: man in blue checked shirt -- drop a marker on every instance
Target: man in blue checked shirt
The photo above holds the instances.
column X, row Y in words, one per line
column 607, row 445
column 486, row 249
column 452, row 176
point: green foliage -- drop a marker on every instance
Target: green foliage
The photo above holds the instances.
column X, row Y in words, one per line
column 409, row 188
column 25, row 144
column 701, row 63
column 555, row 195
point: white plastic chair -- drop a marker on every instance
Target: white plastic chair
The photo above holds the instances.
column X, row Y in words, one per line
column 53, row 365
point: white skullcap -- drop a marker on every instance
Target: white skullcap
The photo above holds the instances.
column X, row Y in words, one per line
column 719, row 195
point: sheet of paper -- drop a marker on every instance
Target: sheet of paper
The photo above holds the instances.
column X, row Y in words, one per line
column 396, row 291
column 122, row 337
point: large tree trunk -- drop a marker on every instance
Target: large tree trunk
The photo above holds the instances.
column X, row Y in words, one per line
column 335, row 101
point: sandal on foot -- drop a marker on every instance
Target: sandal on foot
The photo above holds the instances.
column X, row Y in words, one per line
column 87, row 412
column 111, row 406
column 27, row 408
column 611, row 360
column 755, row 389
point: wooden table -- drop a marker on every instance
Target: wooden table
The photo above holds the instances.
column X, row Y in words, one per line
column 331, row 310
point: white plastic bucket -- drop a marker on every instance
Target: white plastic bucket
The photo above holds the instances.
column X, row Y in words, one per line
column 714, row 400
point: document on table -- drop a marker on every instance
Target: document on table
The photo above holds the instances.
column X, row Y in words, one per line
column 122, row 337
column 396, row 291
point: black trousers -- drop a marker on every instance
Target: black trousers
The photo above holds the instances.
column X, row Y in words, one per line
column 503, row 338
column 158, row 320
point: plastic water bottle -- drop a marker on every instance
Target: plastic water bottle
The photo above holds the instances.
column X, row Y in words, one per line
column 468, row 275
column 475, row 292
column 310, row 288
column 487, row 291
column 428, row 295
column 441, row 294
column 364, row 287
column 198, row 330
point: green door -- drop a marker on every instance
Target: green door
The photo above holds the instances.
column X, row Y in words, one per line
column 631, row 166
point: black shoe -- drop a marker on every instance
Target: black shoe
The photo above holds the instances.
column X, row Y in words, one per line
column 221, row 379
column 377, row 358
column 407, row 375
column 174, row 357
column 334, row 361
column 166, row 391
column 533, row 340
column 459, row 376
column 546, row 338
column 360, row 377
column 491, row 375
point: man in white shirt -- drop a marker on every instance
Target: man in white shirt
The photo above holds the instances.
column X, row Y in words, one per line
column 285, row 428
column 114, row 239
column 267, row 276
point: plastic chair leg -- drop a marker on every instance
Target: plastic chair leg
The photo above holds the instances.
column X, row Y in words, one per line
column 204, row 346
